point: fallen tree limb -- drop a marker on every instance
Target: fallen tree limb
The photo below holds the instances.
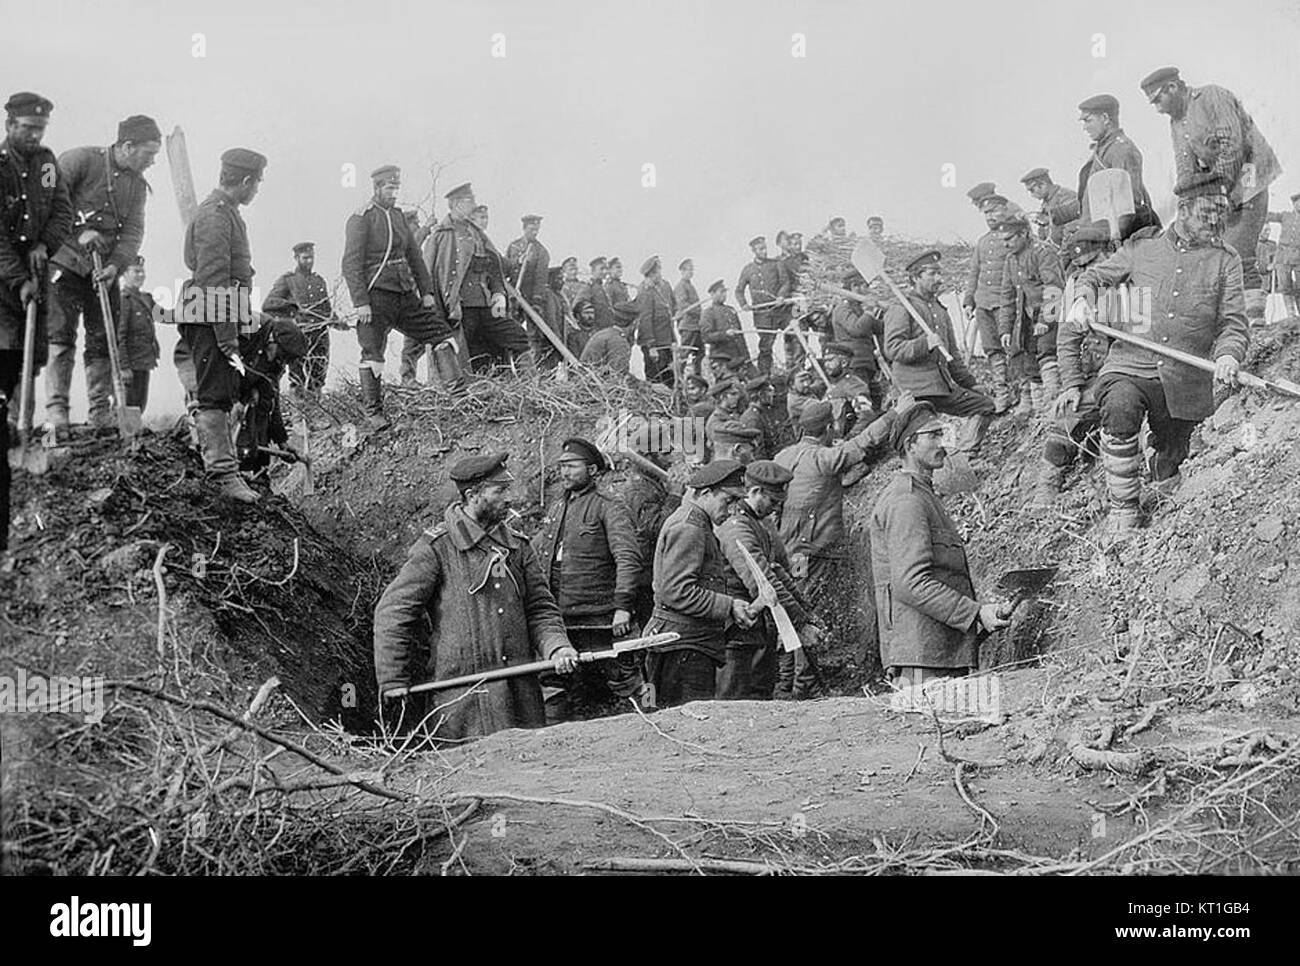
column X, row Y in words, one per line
column 1127, row 762
column 626, row 864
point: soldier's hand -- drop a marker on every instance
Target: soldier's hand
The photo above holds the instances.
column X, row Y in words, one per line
column 237, row 363
column 429, row 301
column 1040, row 329
column 1225, row 370
column 743, row 613
column 810, row 634
column 105, row 274
column 37, row 259
column 932, row 340
column 622, row 621
column 566, row 660
column 1067, row 402
column 1080, row 315
column 30, row 290
column 92, row 241
column 363, row 314
column 968, row 302
column 904, row 401
column 126, row 378
column 991, row 618
column 1005, row 339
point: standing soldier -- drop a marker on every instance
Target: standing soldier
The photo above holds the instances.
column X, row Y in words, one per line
column 858, row 326
column 215, row 311
column 751, row 655
column 918, row 366
column 528, row 263
column 483, row 588
column 1029, row 295
column 108, row 190
column 983, row 280
column 308, row 291
column 876, row 229
column 137, row 342
column 1198, row 306
column 1111, row 148
column 720, row 329
column 574, row 287
column 760, row 416
column 649, row 499
column 685, row 294
column 469, row 284
column 1058, row 205
column 615, row 288
column 762, row 281
column 35, row 219
column 588, row 549
column 795, row 260
column 1211, row 131
column 926, row 607
column 654, row 306
column 391, row 289
column 1286, row 263
column 599, row 296
column 690, row 581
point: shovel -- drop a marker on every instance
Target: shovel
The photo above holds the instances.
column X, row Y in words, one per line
column 767, row 597
column 128, row 417
column 1022, row 585
column 870, row 262
column 1110, row 196
column 25, row 456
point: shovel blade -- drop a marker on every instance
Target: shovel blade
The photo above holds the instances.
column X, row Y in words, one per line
column 132, row 422
column 1110, row 195
column 868, row 259
column 1023, row 584
column 34, row 460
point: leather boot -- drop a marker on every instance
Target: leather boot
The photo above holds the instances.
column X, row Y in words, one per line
column 372, row 399
column 971, row 435
column 1001, row 389
column 446, row 366
column 58, row 384
column 219, row 456
column 1050, row 478
column 1051, row 384
column 1036, row 396
column 1121, row 461
column 1025, row 407
column 99, row 390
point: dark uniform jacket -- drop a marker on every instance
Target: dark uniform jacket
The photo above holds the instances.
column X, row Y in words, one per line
column 308, row 291
column 1197, row 304
column 1020, row 294
column 380, row 252
column 1061, row 206
column 220, row 262
column 925, row 601
column 607, row 349
column 36, row 209
column 714, row 323
column 654, row 306
column 648, row 505
column 137, row 342
column 532, row 284
column 487, row 599
column 599, row 296
column 855, row 327
column 917, row 368
column 765, row 280
column 685, row 294
column 770, row 437
column 812, row 520
column 588, row 548
column 984, row 277
column 112, row 199
column 690, row 584
column 768, row 550
column 1115, row 150
column 847, row 394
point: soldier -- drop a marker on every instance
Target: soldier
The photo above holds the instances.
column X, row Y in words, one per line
column 137, row 342
column 588, row 549
column 690, row 589
column 725, row 429
column 1111, row 148
column 479, row 216
column 1198, row 306
column 926, row 607
column 795, row 260
column 804, row 388
column 876, row 229
column 688, row 327
column 35, row 219
column 485, row 591
column 528, row 263
column 1058, row 205
column 983, row 280
column 1076, row 417
column 1211, row 131
column 1028, row 298
column 649, row 499
column 655, row 307
column 108, row 190
column 598, row 294
column 413, row 350
column 760, row 417
column 391, row 289
column 267, row 353
column 469, row 284
column 720, row 328
column 308, row 291
column 762, row 281
column 918, row 366
column 215, row 313
column 1286, row 262
column 848, row 393
column 695, row 394
column 609, row 348
column 981, row 191
column 615, row 288
column 749, row 671
column 859, row 326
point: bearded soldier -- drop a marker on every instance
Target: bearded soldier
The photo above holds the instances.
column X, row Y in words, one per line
column 308, row 291
column 1058, row 205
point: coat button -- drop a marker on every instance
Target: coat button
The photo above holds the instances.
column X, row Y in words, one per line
column 500, row 610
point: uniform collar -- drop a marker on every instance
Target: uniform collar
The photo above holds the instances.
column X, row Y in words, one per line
column 466, row 533
column 919, row 480
column 571, row 495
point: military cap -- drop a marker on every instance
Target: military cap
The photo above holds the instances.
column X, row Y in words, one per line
column 723, row 385
column 696, row 380
column 993, row 199
column 729, row 475
column 1012, row 219
column 242, row 159
column 469, row 470
column 577, row 449
column 681, row 266
column 1202, row 183
column 815, row 417
column 720, row 283
column 768, row 474
column 385, row 173
column 27, row 104
column 286, row 334
column 875, row 218
column 138, row 127
column 614, row 261
column 977, row 193
column 837, row 349
column 931, row 256
column 301, row 247
column 1100, row 104
column 782, row 237
column 583, row 305
column 758, row 384
column 278, row 305
column 835, row 220
column 531, row 220
column 650, row 264
column 1034, row 174
column 918, row 418
column 1158, row 79
column 795, row 234
column 465, row 190
column 571, row 258
column 757, row 240
column 598, row 260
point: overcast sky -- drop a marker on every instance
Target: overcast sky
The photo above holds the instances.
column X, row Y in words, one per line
column 745, row 138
